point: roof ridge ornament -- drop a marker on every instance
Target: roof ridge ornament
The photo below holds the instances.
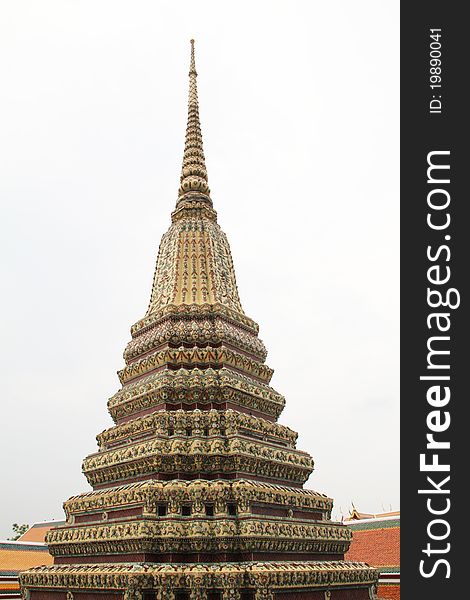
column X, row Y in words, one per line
column 193, row 180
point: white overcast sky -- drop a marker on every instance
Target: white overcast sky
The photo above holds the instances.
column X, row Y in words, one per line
column 299, row 109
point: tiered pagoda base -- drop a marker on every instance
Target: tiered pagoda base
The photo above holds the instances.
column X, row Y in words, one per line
column 198, row 581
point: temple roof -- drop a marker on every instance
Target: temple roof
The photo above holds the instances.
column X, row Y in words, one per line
column 377, row 542
column 29, row 550
column 37, row 531
column 17, row 556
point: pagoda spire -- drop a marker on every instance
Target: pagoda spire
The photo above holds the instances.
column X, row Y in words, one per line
column 193, row 181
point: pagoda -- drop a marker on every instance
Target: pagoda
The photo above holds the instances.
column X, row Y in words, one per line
column 197, row 489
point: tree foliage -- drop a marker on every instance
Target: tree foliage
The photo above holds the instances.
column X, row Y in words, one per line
column 18, row 530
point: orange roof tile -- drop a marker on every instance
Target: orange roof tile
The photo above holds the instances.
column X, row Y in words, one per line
column 19, row 556
column 378, row 546
column 37, row 532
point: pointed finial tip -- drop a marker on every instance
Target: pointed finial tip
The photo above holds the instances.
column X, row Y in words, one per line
column 192, row 66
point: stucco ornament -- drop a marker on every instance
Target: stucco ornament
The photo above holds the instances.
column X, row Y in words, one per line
column 197, row 490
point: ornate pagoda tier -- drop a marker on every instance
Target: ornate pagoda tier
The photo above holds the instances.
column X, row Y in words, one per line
column 197, row 490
